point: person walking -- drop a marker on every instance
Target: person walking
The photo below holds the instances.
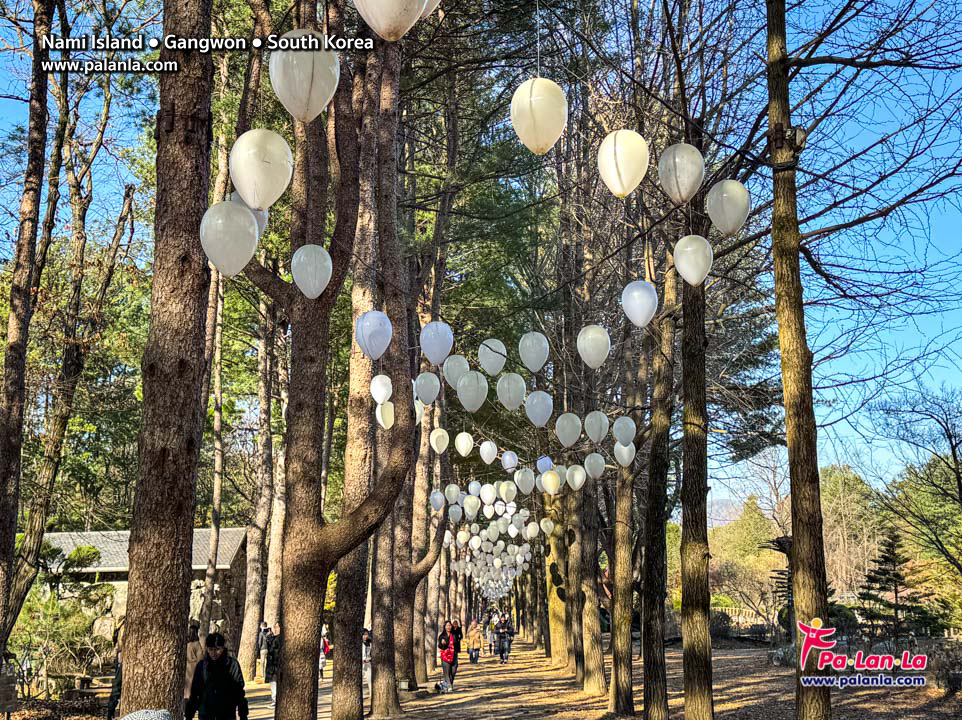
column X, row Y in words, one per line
column 458, row 634
column 366, row 659
column 195, row 653
column 492, row 633
column 217, row 691
column 475, row 641
column 446, row 646
column 272, row 666
column 325, row 651
column 263, row 635
column 504, row 631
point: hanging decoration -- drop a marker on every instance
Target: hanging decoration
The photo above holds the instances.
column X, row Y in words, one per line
column 693, row 259
column 373, row 333
column 426, row 387
column 624, row 430
column 544, row 464
column 533, row 349
column 436, row 341
column 381, row 389
column 595, row 466
column 455, row 513
column 431, row 6
column 681, row 170
column 492, row 355
column 474, row 487
column 439, row 440
column 593, row 345
column 551, row 482
column 464, row 444
column 437, row 500
column 624, row 454
column 539, row 113
column 472, row 390
column 304, row 80
column 488, row 452
column 547, row 526
column 228, row 235
column 596, row 426
column 623, row 161
column 391, row 19
column 311, row 269
column 524, row 479
column 511, row 390
column 384, row 413
column 452, row 493
column 259, row 215
column 728, row 204
column 639, row 300
column 453, row 368
column 508, row 491
column 418, row 411
column 538, row 406
column 488, row 494
column 576, row 477
column 509, row 461
column 260, row 166
column 568, row 429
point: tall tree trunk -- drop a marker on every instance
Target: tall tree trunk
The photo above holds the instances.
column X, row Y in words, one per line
column 809, row 584
column 385, row 702
column 257, row 530
column 347, row 702
column 595, row 682
column 272, row 597
column 555, row 563
column 432, row 613
column 217, row 481
column 653, row 605
column 21, row 307
column 173, row 380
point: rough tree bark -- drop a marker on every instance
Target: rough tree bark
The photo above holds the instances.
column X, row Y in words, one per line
column 173, row 380
column 272, row 596
column 21, row 306
column 809, row 584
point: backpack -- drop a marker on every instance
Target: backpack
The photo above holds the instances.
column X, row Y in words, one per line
column 443, row 642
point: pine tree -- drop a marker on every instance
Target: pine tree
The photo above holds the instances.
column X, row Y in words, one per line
column 888, row 596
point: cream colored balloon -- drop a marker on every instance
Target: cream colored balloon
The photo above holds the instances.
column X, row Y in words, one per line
column 439, row 440
column 623, row 161
column 693, row 259
column 595, row 465
column 418, row 410
column 681, row 169
column 728, row 204
column 381, row 388
column 511, row 390
column 489, row 494
column 304, row 80
column 430, row 8
column 533, row 349
column 524, row 479
column 385, row 415
column 551, row 481
column 464, row 443
column 539, row 113
column 568, row 429
column 508, row 491
column 488, row 452
column 624, row 454
column 547, row 526
column 261, row 166
column 228, row 235
column 391, row 19
column 576, row 477
column 596, row 426
column 593, row 345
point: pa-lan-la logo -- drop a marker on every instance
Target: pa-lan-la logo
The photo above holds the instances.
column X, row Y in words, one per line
column 817, row 637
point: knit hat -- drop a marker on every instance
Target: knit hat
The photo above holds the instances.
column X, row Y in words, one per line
column 148, row 715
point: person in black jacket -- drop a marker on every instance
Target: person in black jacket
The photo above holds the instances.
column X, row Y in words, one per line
column 217, row 692
column 458, row 634
column 272, row 666
column 504, row 631
column 116, row 686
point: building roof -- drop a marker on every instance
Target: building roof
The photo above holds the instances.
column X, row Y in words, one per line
column 112, row 545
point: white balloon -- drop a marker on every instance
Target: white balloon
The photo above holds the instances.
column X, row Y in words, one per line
column 596, row 426
column 311, row 269
column 418, row 410
column 384, row 413
column 639, row 300
column 426, row 387
column 728, row 204
column 624, row 454
column 464, row 443
column 488, row 494
column 538, row 406
column 568, row 429
column 511, row 390
column 544, row 464
column 492, row 355
column 489, row 451
column 261, row 166
column 455, row 513
column 681, row 169
column 488, row 511
column 508, row 491
column 304, row 80
column 228, row 235
column 623, row 161
column 547, row 526
column 454, row 367
column 391, row 19
column 693, row 259
column 259, row 215
column 472, row 390
column 474, row 487
column 431, row 6
column 523, row 513
column 593, row 345
column 576, row 477
column 524, row 479
column 452, row 493
column 531, row 531
column 437, row 500
column 471, row 505
column 462, row 537
column 551, row 481
column 509, row 461
column 503, row 522
column 562, row 471
column 439, row 440
column 624, row 430
column 373, row 333
column 539, row 113
column 436, row 341
column 475, row 543
column 595, row 465
column 533, row 349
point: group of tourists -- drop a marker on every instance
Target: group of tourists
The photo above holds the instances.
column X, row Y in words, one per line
column 494, row 630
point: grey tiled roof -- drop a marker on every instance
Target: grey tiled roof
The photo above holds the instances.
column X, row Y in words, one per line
column 112, row 545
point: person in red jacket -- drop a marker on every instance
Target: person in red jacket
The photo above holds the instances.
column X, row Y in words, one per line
column 446, row 643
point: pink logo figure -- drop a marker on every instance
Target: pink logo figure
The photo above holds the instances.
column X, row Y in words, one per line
column 815, row 637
